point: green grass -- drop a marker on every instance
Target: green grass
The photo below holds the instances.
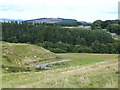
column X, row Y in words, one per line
column 88, row 76
column 83, row 71
column 102, row 74
column 78, row 59
column 17, row 57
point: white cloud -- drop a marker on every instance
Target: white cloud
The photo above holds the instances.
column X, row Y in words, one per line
column 88, row 10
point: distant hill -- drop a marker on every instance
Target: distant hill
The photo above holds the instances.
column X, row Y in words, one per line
column 58, row 21
column 18, row 57
column 50, row 20
column 10, row 20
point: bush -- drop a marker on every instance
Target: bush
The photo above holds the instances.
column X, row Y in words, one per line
column 57, row 50
column 82, row 49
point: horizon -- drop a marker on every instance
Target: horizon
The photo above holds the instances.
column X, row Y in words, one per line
column 80, row 10
column 53, row 17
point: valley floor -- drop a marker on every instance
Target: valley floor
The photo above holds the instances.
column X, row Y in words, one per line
column 102, row 74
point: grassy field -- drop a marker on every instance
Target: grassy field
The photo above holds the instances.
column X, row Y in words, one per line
column 18, row 57
column 79, row 59
column 84, row 71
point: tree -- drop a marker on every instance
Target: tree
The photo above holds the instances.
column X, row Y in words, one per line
column 96, row 24
column 108, row 22
column 97, row 47
column 57, row 39
column 82, row 49
column 114, row 28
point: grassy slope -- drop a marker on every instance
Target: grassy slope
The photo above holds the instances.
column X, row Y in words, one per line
column 22, row 55
column 100, row 74
column 78, row 59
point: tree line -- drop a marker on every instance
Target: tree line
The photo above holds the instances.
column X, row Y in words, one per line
column 60, row 40
column 112, row 26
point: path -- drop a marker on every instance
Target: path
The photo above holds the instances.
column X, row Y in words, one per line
column 45, row 66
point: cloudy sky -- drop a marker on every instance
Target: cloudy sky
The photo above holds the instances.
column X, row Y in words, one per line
column 82, row 10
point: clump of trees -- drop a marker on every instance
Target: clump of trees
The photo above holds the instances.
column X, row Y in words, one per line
column 112, row 26
column 60, row 40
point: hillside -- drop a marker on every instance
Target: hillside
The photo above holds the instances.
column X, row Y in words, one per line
column 85, row 71
column 82, row 71
column 50, row 20
column 21, row 57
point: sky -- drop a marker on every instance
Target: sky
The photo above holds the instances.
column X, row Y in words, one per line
column 81, row 10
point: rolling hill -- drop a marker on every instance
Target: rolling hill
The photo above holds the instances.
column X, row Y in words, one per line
column 62, row 21
column 50, row 20
column 83, row 71
column 22, row 57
